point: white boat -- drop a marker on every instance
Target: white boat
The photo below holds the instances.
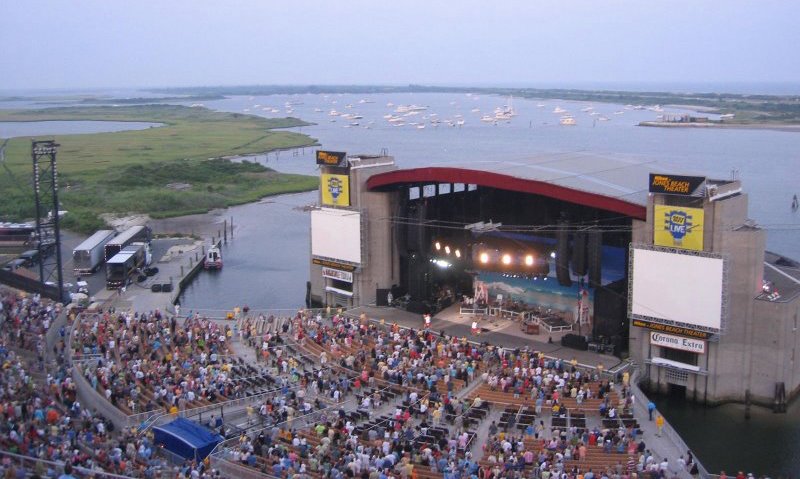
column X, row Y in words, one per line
column 558, row 109
column 420, row 127
column 603, row 118
column 620, row 112
column 410, row 108
column 508, row 110
column 334, row 113
column 568, row 121
column 540, row 105
column 476, row 110
column 318, row 110
column 213, row 258
column 488, row 119
column 459, row 123
column 587, row 109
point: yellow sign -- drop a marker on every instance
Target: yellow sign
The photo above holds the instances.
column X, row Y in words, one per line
column 678, row 227
column 335, row 189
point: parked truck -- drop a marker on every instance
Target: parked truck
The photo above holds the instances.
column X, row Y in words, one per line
column 90, row 254
column 125, row 264
column 130, row 235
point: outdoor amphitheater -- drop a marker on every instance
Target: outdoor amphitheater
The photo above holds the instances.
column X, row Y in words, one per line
column 308, row 393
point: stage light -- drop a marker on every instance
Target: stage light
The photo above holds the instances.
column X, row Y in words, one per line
column 529, row 260
column 484, row 258
column 437, row 245
column 553, row 254
column 458, row 253
column 447, row 249
column 441, row 263
column 506, row 259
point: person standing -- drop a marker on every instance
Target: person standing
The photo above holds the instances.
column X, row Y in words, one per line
column 651, row 406
column 659, row 424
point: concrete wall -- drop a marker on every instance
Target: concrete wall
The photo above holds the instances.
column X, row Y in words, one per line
column 379, row 262
column 759, row 341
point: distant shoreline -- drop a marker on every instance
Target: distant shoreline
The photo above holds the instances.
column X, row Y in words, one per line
column 727, row 126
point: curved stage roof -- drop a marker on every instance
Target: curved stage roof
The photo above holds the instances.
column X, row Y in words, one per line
column 607, row 183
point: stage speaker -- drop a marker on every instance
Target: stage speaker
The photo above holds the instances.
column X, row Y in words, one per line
column 562, row 255
column 417, row 307
column 610, row 310
column 575, row 342
column 595, row 256
column 579, row 254
column 381, row 297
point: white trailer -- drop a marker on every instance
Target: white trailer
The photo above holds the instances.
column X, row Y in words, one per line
column 88, row 256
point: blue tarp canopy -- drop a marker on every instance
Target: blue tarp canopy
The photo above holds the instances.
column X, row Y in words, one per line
column 186, row 438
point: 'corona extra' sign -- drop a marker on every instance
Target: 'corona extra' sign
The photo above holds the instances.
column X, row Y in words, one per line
column 335, row 189
column 678, row 227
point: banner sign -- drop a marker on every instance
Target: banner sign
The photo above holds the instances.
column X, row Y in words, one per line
column 335, row 189
column 678, row 227
column 676, row 185
column 677, row 342
column 666, row 328
column 332, row 158
column 333, row 264
column 345, row 276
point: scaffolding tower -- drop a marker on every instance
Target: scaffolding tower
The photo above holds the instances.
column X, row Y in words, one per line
column 48, row 234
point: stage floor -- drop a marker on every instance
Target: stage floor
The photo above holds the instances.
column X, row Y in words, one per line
column 497, row 331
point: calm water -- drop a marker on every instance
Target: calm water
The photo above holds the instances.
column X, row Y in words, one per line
column 266, row 265
column 768, row 162
column 766, row 444
column 10, row 129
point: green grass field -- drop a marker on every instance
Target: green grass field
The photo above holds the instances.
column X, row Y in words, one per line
column 128, row 172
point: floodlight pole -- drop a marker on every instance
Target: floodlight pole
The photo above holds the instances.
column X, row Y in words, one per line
column 48, row 232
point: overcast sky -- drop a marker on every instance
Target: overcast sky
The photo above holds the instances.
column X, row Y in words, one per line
column 63, row 44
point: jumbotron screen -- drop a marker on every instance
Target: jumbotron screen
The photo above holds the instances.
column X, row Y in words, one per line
column 336, row 234
column 681, row 288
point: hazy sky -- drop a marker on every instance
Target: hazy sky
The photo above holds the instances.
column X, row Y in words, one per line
column 113, row 43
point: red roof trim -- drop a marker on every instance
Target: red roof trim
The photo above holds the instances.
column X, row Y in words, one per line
column 505, row 182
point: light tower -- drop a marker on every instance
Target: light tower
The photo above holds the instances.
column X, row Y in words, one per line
column 48, row 234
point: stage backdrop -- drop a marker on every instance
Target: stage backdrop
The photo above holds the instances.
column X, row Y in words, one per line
column 547, row 293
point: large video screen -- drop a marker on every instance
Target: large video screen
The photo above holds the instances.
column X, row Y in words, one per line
column 336, row 234
column 677, row 287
